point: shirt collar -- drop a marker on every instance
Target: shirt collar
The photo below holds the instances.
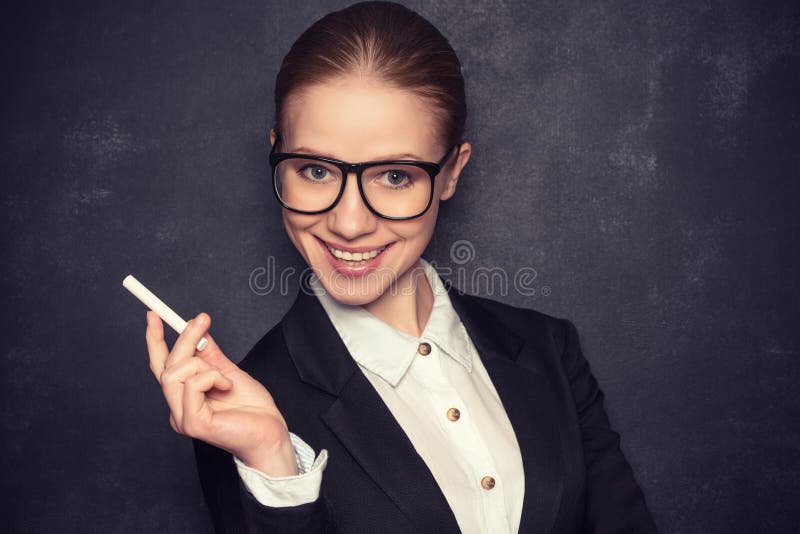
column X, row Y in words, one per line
column 388, row 352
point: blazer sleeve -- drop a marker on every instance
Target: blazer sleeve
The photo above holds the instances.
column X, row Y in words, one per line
column 614, row 501
column 234, row 510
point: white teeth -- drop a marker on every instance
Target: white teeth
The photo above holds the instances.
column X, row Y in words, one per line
column 355, row 256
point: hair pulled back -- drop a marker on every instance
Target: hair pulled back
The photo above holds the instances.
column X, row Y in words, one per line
column 384, row 40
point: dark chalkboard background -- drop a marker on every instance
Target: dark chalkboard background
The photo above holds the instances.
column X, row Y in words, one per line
column 637, row 161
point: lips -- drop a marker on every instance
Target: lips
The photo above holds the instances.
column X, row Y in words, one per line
column 355, row 256
column 354, row 261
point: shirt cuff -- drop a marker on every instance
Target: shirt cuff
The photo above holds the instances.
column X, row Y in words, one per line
column 291, row 490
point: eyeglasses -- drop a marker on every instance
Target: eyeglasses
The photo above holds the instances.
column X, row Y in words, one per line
column 391, row 189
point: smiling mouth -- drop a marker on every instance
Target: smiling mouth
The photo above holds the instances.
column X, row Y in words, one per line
column 354, row 258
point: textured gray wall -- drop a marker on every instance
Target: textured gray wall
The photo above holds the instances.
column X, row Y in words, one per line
column 641, row 158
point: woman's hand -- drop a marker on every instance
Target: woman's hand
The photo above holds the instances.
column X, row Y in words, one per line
column 211, row 399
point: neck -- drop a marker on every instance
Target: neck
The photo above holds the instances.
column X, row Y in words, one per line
column 406, row 309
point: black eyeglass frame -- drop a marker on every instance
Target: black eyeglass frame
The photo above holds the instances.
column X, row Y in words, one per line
column 433, row 169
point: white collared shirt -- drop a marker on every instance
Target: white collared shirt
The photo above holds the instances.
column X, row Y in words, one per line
column 443, row 400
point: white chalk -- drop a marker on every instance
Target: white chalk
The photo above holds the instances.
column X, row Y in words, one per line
column 158, row 306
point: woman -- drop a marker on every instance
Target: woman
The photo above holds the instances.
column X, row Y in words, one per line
column 439, row 411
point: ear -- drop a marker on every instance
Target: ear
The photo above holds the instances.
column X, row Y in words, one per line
column 451, row 180
column 272, row 136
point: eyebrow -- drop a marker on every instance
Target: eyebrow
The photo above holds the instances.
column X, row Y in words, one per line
column 308, row 151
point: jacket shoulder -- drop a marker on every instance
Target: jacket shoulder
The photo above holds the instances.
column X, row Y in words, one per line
column 529, row 323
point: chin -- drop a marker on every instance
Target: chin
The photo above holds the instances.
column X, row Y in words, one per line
column 356, row 300
column 351, row 291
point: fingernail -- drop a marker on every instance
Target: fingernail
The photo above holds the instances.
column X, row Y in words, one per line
column 200, row 319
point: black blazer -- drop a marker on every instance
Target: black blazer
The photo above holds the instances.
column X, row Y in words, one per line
column 576, row 477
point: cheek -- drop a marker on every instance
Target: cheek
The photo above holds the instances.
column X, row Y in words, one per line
column 296, row 223
column 289, row 224
column 421, row 228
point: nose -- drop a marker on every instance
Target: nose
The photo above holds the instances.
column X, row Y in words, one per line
column 350, row 217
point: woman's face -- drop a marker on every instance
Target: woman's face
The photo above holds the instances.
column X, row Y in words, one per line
column 356, row 119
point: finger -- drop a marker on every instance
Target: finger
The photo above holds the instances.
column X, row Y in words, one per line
column 173, row 381
column 186, row 344
column 214, row 356
column 196, row 411
column 173, row 424
column 156, row 346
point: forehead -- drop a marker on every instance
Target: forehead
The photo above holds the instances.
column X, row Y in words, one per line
column 359, row 119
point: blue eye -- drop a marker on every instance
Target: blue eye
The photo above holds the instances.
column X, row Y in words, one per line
column 316, row 173
column 396, row 179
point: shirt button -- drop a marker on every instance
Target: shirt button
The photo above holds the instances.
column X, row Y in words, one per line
column 487, row 482
column 424, row 348
column 453, row 414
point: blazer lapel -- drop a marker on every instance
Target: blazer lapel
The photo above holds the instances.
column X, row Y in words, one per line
column 371, row 434
column 528, row 399
column 359, row 418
